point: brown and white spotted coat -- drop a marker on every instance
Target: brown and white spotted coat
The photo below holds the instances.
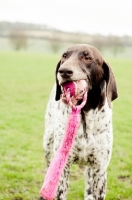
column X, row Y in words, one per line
column 94, row 139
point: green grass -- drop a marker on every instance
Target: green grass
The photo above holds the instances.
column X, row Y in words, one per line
column 25, row 84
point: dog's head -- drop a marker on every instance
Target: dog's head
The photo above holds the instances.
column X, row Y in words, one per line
column 86, row 62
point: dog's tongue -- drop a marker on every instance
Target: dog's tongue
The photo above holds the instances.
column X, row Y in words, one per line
column 76, row 88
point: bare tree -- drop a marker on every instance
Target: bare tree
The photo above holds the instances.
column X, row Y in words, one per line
column 115, row 43
column 55, row 41
column 55, row 45
column 18, row 39
column 99, row 42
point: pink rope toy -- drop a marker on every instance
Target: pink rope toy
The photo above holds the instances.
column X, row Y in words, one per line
column 72, row 92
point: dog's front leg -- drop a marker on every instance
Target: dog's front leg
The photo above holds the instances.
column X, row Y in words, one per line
column 88, row 195
column 99, row 184
column 63, row 184
column 95, row 184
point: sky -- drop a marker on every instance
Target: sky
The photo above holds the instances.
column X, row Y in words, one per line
column 92, row 17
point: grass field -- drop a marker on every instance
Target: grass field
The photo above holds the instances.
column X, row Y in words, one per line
column 25, row 84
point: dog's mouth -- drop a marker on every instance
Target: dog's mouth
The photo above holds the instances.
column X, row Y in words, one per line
column 73, row 92
column 76, row 88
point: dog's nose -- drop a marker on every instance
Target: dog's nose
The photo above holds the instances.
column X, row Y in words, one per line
column 65, row 73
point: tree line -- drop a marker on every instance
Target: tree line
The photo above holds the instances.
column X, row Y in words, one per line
column 20, row 33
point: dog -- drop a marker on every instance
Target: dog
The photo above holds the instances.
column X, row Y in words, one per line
column 93, row 143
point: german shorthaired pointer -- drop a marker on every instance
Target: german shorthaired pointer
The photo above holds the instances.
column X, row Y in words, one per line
column 93, row 143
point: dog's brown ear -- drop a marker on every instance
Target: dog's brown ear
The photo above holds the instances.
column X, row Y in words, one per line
column 58, row 87
column 111, row 89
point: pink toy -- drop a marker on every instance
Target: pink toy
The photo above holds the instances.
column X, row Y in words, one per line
column 72, row 92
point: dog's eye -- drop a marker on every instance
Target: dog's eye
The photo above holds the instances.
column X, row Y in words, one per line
column 86, row 55
column 64, row 55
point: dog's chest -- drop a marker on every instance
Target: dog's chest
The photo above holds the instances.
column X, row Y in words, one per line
column 97, row 136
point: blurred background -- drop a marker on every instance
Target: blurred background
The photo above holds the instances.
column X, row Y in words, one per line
column 51, row 26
